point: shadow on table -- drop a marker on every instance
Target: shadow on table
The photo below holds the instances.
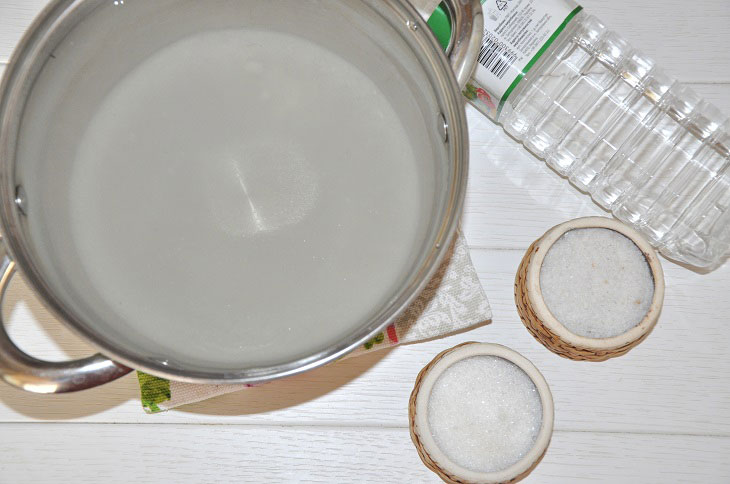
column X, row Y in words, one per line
column 69, row 406
column 273, row 396
column 39, row 330
column 289, row 392
column 300, row 389
column 46, row 329
column 270, row 397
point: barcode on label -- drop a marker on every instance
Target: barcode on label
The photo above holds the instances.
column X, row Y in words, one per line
column 495, row 56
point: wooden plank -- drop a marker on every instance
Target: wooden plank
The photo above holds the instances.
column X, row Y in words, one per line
column 513, row 197
column 15, row 17
column 686, row 39
column 80, row 453
column 674, row 32
column 675, row 382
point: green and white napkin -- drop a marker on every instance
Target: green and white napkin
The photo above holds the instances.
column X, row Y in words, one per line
column 453, row 301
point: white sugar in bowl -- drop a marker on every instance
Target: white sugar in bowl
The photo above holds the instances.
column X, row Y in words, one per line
column 481, row 414
column 590, row 289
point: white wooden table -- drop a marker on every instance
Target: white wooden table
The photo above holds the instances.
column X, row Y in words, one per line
column 659, row 414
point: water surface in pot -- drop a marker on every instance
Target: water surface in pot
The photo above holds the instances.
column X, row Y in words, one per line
column 229, row 184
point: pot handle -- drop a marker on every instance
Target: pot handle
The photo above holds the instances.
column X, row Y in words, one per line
column 467, row 31
column 38, row 376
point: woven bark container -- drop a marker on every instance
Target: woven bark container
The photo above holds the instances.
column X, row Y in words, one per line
column 548, row 330
column 427, row 448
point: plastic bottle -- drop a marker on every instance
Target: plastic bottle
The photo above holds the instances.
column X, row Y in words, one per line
column 603, row 115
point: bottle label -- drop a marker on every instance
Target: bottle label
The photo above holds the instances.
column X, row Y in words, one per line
column 516, row 34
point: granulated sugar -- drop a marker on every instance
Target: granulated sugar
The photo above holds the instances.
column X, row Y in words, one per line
column 596, row 282
column 485, row 413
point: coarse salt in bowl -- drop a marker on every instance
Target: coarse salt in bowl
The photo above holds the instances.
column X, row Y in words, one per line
column 481, row 413
column 590, row 289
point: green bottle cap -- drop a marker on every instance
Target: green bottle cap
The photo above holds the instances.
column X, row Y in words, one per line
column 440, row 25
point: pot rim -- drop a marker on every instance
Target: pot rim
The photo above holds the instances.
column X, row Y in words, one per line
column 24, row 65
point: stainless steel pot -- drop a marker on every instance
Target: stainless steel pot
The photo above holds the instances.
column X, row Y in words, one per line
column 444, row 75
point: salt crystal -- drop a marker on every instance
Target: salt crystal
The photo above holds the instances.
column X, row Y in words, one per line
column 596, row 282
column 484, row 413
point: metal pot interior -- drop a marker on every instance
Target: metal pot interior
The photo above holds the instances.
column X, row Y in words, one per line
column 229, row 191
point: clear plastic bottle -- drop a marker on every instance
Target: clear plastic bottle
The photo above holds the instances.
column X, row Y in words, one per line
column 644, row 146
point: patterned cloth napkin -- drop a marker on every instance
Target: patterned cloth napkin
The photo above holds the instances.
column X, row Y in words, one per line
column 453, row 301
